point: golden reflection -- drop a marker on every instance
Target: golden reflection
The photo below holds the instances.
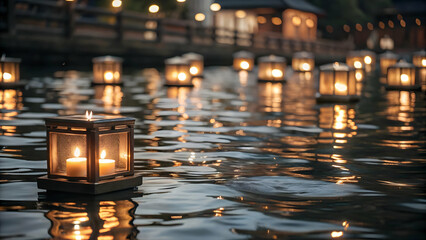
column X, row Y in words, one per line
column 338, row 123
column 401, row 107
column 10, row 102
column 271, row 96
column 243, row 77
column 111, row 97
column 93, row 220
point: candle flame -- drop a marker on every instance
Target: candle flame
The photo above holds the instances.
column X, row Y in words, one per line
column 182, row 76
column 340, row 87
column 404, row 78
column 89, row 115
column 77, row 152
column 244, row 65
column 357, row 64
column 193, row 70
column 277, row 73
column 424, row 62
column 306, row 67
column 368, row 60
column 103, row 154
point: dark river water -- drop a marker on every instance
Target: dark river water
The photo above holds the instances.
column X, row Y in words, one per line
column 227, row 159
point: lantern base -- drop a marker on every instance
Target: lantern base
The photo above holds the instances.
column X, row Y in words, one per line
column 271, row 81
column 178, row 85
column 323, row 98
column 406, row 88
column 106, row 84
column 84, row 187
column 13, row 85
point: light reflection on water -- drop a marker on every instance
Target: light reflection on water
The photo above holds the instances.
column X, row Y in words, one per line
column 227, row 159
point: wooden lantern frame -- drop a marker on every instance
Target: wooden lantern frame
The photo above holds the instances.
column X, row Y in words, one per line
column 387, row 59
column 398, row 69
column 303, row 57
column 182, row 65
column 272, row 62
column 13, row 63
column 419, row 59
column 103, row 62
column 335, row 68
column 243, row 56
column 92, row 129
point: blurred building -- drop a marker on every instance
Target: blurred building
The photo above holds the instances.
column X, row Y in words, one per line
column 294, row 19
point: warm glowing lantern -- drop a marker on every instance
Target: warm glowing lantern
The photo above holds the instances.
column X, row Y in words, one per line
column 243, row 61
column 419, row 60
column 9, row 72
column 303, row 62
column 271, row 68
column 387, row 59
column 90, row 154
column 355, row 60
column 337, row 82
column 197, row 63
column 107, row 70
column 369, row 60
column 402, row 76
column 177, row 72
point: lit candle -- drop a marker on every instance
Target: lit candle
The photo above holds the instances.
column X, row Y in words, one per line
column 277, row 73
column 182, row 76
column 108, row 76
column 106, row 166
column 306, row 67
column 245, row 65
column 340, row 87
column 76, row 167
column 193, row 70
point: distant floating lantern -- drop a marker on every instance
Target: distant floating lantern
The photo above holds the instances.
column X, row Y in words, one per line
column 197, row 64
column 177, row 72
column 243, row 61
column 89, row 154
column 107, row 70
column 337, row 83
column 369, row 59
column 387, row 59
column 402, row 76
column 9, row 72
column 271, row 68
column 303, row 62
column 419, row 60
column 355, row 60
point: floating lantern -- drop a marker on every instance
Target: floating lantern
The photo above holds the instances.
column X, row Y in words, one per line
column 303, row 62
column 369, row 60
column 387, row 59
column 89, row 154
column 177, row 72
column 355, row 60
column 271, row 68
column 337, row 82
column 402, row 76
column 419, row 60
column 9, row 72
column 243, row 61
column 107, row 70
column 197, row 64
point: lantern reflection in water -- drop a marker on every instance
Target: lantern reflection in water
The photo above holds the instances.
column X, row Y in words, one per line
column 9, row 72
column 271, row 68
column 10, row 104
column 93, row 220
column 401, row 106
column 338, row 123
column 110, row 96
column 271, row 96
column 387, row 59
column 337, row 82
column 303, row 61
column 243, row 61
column 107, row 70
column 402, row 76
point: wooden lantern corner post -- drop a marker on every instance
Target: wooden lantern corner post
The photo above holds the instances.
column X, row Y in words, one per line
column 90, row 155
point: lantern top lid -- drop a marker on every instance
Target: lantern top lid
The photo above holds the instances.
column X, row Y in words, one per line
column 7, row 59
column 303, row 54
column 83, row 121
column 402, row 64
column 389, row 54
column 243, row 54
column 176, row 61
column 355, row 54
column 335, row 67
column 193, row 56
column 421, row 53
column 367, row 52
column 272, row 58
column 107, row 59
